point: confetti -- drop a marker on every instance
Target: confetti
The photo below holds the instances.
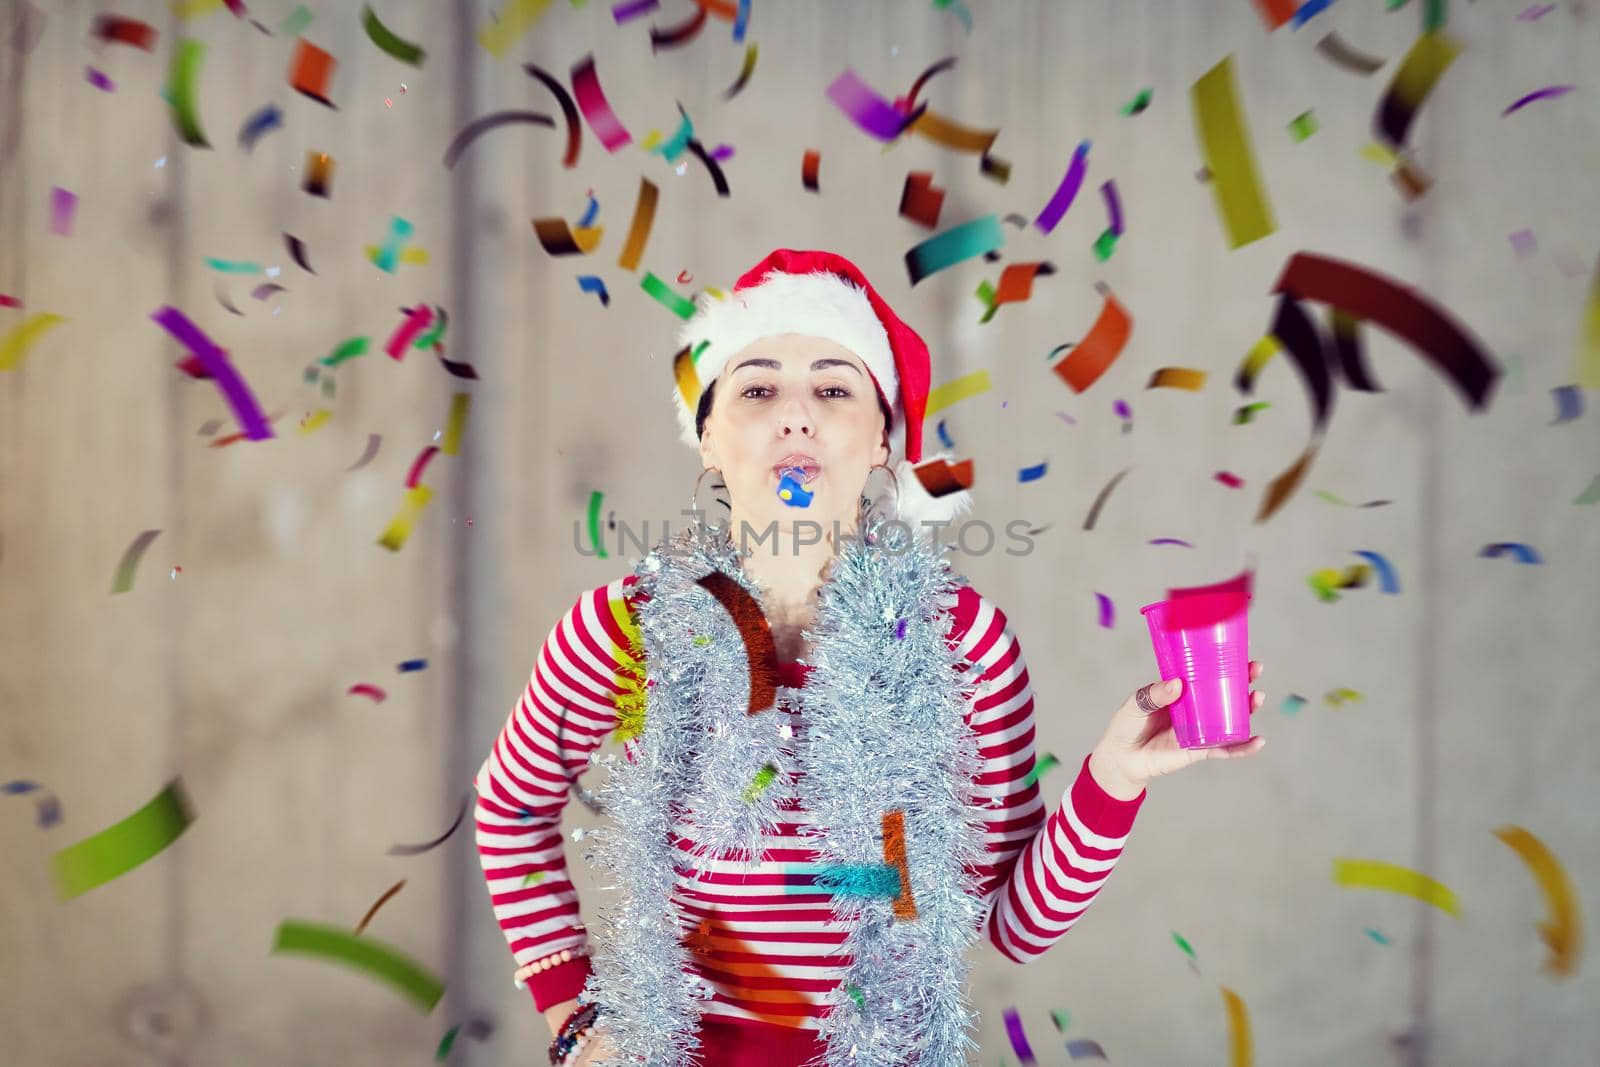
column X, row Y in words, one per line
column 719, row 180
column 760, row 650
column 681, row 34
column 1292, row 704
column 569, row 112
column 1374, row 874
column 182, row 79
column 99, row 80
column 1100, row 347
column 1275, row 12
column 1523, row 243
column 47, row 808
column 118, row 30
column 1335, row 49
column 1100, row 499
column 380, row 902
column 1082, row 1049
column 480, row 126
column 592, row 101
column 1232, row 481
column 644, row 214
column 894, row 857
column 20, row 338
column 953, row 392
column 348, row 349
column 808, row 169
column 319, row 172
column 1108, row 611
column 1377, row 936
column 559, row 239
column 921, row 200
column 428, row 846
column 456, row 423
column 515, row 19
column 297, row 251
column 1137, row 105
column 1169, row 541
column 762, row 781
column 387, row 41
column 589, row 283
column 1338, row 698
column 632, row 9
column 399, row 529
column 1419, row 72
column 399, row 231
column 1388, row 581
column 1238, row 1029
column 216, row 363
column 1188, row 950
column 1303, row 126
column 1178, row 378
column 1066, row 191
column 868, row 110
column 1235, row 182
column 668, row 299
column 1040, row 769
column 595, row 499
column 378, row 960
column 311, row 70
column 1521, row 552
column 477, row 1029
column 748, row 68
column 120, row 848
column 1032, row 474
column 1016, row 285
column 1562, row 932
column 417, row 320
column 420, row 465
column 1550, row 92
column 1018, row 1039
column 940, row 477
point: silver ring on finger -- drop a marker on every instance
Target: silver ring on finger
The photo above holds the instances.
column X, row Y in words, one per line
column 1143, row 699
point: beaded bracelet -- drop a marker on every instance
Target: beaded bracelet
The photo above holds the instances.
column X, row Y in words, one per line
column 555, row 959
column 574, row 1033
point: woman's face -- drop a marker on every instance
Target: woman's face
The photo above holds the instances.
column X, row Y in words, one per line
column 792, row 401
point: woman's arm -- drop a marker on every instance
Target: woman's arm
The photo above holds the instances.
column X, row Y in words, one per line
column 1043, row 871
column 564, row 713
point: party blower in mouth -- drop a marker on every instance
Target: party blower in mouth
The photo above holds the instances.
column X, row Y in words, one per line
column 794, row 473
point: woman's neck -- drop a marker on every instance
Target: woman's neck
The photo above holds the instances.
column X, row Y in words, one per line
column 789, row 575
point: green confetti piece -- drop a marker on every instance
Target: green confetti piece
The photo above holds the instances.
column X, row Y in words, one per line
column 533, row 879
column 349, row 349
column 1040, row 769
column 445, row 1045
column 1292, row 704
column 855, row 995
column 1591, row 494
column 595, row 499
column 1303, row 125
column 434, row 335
column 1247, row 413
column 1106, row 244
column 699, row 348
column 1377, row 936
column 181, row 87
column 1178, row 940
column 702, row 641
column 297, row 21
column 1138, row 103
column 1434, row 15
column 129, row 566
column 387, row 41
column 233, row 266
column 118, row 849
column 668, row 299
column 763, row 779
column 380, row 961
column 1061, row 1019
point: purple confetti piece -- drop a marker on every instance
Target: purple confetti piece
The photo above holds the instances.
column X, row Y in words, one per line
column 1019, row 1040
column 1066, row 192
column 722, row 152
column 629, row 11
column 99, row 80
column 216, row 363
column 1122, row 409
column 900, row 630
column 1535, row 11
column 63, row 205
column 1522, row 242
column 1549, row 92
column 870, row 111
column 1108, row 611
column 1108, row 189
column 1171, row 541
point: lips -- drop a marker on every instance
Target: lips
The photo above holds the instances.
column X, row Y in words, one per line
column 805, row 467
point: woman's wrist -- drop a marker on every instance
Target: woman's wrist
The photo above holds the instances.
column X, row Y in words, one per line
column 1110, row 776
column 556, row 1015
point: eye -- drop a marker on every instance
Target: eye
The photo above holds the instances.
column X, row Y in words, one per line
column 758, row 389
column 838, row 390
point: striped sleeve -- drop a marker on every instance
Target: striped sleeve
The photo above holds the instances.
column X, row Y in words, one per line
column 564, row 713
column 1043, row 871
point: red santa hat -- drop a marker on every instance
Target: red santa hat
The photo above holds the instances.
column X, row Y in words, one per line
column 820, row 294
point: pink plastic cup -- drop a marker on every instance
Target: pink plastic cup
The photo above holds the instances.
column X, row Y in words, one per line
column 1204, row 639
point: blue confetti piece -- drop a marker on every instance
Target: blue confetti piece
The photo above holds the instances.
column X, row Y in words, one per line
column 1032, row 474
column 591, row 284
column 589, row 213
column 413, row 665
column 944, row 436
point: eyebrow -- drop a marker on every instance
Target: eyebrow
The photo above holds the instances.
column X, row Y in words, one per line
column 818, row 364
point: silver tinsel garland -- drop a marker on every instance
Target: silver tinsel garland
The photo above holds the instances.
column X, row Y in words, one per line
column 883, row 729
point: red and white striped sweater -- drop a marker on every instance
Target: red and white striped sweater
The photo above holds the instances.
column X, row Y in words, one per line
column 771, row 954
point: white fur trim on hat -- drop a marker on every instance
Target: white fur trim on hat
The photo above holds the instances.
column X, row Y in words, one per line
column 819, row 304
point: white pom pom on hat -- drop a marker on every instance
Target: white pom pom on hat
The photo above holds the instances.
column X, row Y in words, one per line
column 821, row 294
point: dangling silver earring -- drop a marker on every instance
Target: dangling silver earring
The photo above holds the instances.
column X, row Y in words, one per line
column 694, row 495
column 869, row 512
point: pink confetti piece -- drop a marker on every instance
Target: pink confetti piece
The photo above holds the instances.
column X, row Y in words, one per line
column 1232, row 481
column 421, row 318
column 367, row 690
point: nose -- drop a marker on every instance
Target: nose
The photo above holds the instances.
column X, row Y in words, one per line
column 796, row 418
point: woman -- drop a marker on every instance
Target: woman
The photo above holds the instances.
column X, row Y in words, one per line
column 826, row 793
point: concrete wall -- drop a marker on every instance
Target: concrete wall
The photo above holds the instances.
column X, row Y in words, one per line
column 1479, row 676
